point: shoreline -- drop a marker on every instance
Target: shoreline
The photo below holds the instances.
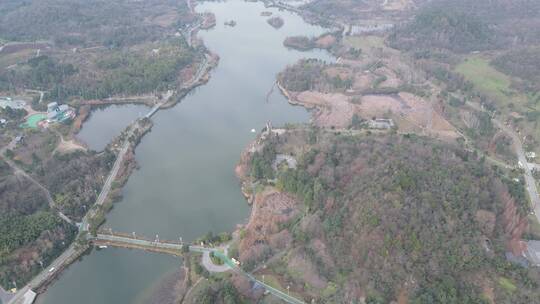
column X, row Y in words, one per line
column 172, row 101
column 126, row 165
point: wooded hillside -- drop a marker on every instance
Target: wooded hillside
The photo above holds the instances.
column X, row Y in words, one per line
column 388, row 217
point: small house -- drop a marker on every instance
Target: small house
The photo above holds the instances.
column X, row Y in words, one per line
column 59, row 113
column 381, row 123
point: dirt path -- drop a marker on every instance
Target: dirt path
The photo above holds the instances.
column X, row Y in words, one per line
column 67, row 146
column 188, row 293
column 20, row 172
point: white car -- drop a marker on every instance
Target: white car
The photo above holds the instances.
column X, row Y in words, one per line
column 52, row 269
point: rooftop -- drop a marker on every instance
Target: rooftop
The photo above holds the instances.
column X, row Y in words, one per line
column 12, row 103
column 533, row 252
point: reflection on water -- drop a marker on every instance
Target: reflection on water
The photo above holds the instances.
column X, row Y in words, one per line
column 107, row 122
column 186, row 185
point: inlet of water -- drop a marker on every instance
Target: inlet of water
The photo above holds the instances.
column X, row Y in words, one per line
column 186, row 186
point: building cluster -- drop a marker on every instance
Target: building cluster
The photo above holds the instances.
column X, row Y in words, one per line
column 59, row 113
column 6, row 102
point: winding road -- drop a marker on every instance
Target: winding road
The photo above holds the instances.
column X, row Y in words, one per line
column 530, row 184
column 73, row 251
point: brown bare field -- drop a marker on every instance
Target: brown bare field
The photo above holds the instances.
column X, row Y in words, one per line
column 341, row 72
column 68, row 146
column 414, row 109
column 412, row 113
column 363, row 81
column 325, row 41
column 379, row 105
column 270, row 208
column 333, row 110
column 166, row 20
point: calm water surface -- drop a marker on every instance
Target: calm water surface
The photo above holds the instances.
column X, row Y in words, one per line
column 186, row 184
column 107, row 122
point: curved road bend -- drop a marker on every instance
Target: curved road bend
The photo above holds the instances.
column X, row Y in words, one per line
column 229, row 264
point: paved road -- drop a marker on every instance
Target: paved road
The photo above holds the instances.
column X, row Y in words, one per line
column 148, row 243
column 200, row 73
column 4, row 295
column 72, row 252
column 206, row 260
column 210, row 266
column 534, row 166
column 48, row 273
column 229, row 264
column 276, row 292
column 41, row 94
column 84, row 225
column 530, row 184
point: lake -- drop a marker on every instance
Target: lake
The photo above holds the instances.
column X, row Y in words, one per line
column 186, row 185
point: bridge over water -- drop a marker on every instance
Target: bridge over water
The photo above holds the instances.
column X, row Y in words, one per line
column 178, row 247
column 130, row 241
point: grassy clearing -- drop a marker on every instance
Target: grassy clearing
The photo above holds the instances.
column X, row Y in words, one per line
column 497, row 86
column 507, row 285
column 13, row 58
column 365, row 42
column 485, row 78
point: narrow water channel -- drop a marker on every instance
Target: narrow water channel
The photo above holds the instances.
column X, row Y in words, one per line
column 186, row 186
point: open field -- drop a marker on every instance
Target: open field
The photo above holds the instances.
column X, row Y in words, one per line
column 364, row 42
column 497, row 86
column 7, row 60
column 412, row 113
column 489, row 81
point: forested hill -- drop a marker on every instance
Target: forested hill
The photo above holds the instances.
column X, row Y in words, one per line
column 91, row 22
column 465, row 26
column 387, row 218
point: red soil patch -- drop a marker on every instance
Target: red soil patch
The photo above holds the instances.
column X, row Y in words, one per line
column 270, row 208
column 325, row 41
column 331, row 110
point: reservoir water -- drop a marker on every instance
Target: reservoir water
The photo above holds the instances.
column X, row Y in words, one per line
column 107, row 122
column 186, row 186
